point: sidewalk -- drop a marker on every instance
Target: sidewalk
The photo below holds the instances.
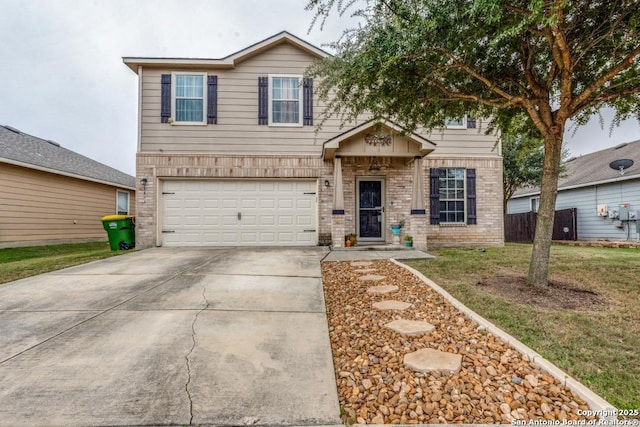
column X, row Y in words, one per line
column 360, row 253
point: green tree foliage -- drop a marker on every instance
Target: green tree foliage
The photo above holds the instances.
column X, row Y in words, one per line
column 523, row 156
column 419, row 61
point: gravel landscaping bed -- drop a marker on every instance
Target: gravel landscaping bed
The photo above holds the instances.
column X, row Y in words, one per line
column 495, row 384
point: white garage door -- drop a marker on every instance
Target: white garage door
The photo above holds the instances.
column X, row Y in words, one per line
column 239, row 213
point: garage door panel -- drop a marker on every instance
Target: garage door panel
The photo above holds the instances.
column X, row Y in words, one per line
column 201, row 212
column 304, row 220
column 248, row 221
column 230, row 220
column 230, row 203
column 267, row 220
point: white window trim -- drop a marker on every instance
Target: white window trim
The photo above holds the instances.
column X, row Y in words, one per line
column 174, row 122
column 537, row 199
column 462, row 126
column 464, row 200
column 128, row 201
column 300, row 101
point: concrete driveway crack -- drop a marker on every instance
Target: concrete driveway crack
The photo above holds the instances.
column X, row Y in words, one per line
column 193, row 347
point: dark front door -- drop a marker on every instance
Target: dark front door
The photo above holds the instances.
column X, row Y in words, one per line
column 370, row 209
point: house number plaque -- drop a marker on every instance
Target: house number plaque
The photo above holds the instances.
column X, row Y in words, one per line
column 377, row 139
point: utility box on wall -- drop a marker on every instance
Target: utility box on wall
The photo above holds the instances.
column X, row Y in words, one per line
column 603, row 210
column 624, row 212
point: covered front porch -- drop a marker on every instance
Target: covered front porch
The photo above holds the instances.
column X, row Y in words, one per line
column 378, row 181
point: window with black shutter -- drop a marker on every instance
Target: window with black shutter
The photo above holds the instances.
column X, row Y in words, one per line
column 212, row 100
column 452, row 196
column 165, row 98
column 285, row 100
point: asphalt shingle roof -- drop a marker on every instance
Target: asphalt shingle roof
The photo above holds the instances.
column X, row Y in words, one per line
column 594, row 167
column 31, row 150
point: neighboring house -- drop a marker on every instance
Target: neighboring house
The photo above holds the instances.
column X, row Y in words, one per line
column 600, row 194
column 231, row 154
column 49, row 194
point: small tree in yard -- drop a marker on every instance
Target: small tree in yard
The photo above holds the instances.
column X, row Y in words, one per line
column 421, row 61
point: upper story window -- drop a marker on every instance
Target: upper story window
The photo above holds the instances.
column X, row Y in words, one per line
column 285, row 100
column 189, row 98
column 466, row 122
column 460, row 123
column 122, row 203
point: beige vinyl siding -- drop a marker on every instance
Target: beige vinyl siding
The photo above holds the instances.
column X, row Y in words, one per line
column 237, row 130
column 464, row 142
column 37, row 206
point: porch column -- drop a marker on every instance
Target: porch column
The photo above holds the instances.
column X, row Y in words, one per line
column 337, row 217
column 338, row 193
column 418, row 219
column 417, row 193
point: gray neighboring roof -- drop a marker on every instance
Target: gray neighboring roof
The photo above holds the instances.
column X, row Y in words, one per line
column 591, row 169
column 20, row 148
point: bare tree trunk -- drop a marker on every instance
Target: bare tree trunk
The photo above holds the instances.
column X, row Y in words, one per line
column 539, row 267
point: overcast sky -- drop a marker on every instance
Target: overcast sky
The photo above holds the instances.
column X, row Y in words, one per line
column 62, row 76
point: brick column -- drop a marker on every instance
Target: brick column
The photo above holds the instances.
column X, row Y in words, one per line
column 337, row 230
column 418, row 229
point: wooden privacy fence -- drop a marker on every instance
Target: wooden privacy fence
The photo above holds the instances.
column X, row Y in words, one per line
column 521, row 227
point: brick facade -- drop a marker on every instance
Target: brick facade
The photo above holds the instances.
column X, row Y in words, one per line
column 489, row 230
column 395, row 172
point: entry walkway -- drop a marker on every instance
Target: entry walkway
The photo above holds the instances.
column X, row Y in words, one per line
column 375, row 252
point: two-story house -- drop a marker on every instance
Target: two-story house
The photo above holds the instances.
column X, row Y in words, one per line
column 230, row 153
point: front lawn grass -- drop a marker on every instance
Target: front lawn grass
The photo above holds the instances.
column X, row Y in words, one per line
column 600, row 347
column 18, row 263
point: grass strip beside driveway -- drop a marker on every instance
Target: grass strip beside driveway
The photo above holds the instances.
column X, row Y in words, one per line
column 18, row 263
column 598, row 345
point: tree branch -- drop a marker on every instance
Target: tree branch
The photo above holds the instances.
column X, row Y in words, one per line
column 527, row 64
column 512, row 100
column 625, row 64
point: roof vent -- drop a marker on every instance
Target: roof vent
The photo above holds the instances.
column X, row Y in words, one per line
column 624, row 144
column 12, row 129
column 621, row 165
column 53, row 143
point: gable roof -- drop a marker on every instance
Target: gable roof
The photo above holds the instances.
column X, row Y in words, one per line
column 331, row 145
column 229, row 61
column 21, row 149
column 593, row 169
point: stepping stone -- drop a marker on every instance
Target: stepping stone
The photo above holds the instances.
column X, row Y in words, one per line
column 391, row 305
column 365, row 270
column 384, row 289
column 430, row 360
column 372, row 278
column 361, row 264
column 410, row 328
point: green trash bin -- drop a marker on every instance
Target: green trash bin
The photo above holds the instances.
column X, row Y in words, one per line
column 121, row 231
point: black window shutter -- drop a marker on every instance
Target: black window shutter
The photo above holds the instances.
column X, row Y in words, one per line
column 434, row 195
column 471, row 197
column 165, row 98
column 307, row 109
column 212, row 100
column 471, row 122
column 263, row 100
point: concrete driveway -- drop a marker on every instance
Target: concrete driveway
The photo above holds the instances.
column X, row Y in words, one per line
column 170, row 336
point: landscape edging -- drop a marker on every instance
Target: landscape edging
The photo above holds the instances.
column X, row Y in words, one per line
column 594, row 401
